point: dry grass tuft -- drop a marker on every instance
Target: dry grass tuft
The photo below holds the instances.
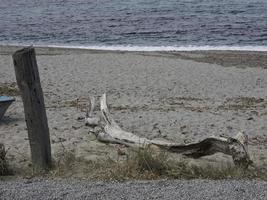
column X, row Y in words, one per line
column 143, row 164
column 9, row 89
column 148, row 165
column 4, row 169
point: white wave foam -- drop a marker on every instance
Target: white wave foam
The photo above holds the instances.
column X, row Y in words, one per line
column 154, row 48
column 167, row 48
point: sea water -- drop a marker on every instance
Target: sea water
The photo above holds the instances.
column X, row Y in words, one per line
column 157, row 25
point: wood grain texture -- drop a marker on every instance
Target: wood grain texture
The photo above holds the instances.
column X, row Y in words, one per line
column 28, row 81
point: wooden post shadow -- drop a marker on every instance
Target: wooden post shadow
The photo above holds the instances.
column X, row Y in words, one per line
column 28, row 81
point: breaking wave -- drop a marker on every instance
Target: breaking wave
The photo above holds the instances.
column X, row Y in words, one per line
column 155, row 48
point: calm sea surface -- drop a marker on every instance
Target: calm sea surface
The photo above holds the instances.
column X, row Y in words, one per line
column 143, row 23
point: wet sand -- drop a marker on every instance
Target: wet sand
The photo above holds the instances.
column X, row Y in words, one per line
column 179, row 96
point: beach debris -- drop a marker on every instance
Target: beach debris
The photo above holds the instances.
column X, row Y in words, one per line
column 114, row 131
column 237, row 146
column 89, row 119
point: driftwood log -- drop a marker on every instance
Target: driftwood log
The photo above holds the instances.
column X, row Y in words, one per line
column 237, row 146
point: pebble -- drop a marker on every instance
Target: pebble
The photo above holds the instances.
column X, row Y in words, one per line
column 162, row 189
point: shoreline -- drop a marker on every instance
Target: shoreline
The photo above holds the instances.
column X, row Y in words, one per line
column 226, row 58
column 121, row 49
column 160, row 49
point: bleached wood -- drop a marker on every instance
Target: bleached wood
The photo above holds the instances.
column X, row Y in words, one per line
column 236, row 146
column 114, row 130
column 89, row 119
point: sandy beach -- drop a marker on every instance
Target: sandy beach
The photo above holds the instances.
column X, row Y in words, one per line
column 178, row 96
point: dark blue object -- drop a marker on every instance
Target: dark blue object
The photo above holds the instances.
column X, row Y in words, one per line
column 5, row 102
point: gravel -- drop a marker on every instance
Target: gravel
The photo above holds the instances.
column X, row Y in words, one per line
column 164, row 189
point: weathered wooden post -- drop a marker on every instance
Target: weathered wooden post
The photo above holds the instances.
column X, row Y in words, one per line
column 28, row 81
